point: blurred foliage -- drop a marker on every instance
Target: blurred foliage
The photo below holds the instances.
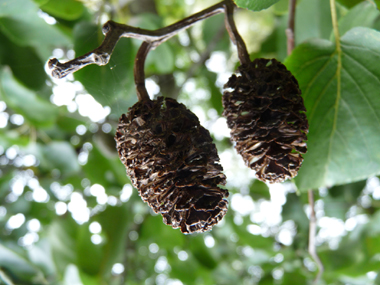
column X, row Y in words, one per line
column 68, row 213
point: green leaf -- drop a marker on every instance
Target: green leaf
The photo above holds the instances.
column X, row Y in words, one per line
column 25, row 63
column 281, row 7
column 20, row 22
column 17, row 265
column 116, row 234
column 377, row 280
column 62, row 234
column 214, row 34
column 294, row 277
column 201, row 253
column 89, row 255
column 41, row 2
column 187, row 271
column 104, row 170
column 12, row 137
column 14, row 7
column 37, row 111
column 341, row 198
column 275, row 44
column 374, row 224
column 348, row 254
column 313, row 20
column 162, row 59
column 343, row 108
column 259, row 190
column 255, row 5
column 62, row 156
column 65, row 9
column 349, row 3
column 40, row 255
column 4, row 183
column 70, row 122
column 293, row 210
column 372, row 245
column 165, row 236
column 246, row 238
column 362, row 15
column 105, row 83
column 210, row 79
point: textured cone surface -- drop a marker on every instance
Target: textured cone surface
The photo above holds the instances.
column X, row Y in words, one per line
column 266, row 114
column 172, row 161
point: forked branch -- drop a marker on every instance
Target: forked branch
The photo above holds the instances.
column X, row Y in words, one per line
column 114, row 31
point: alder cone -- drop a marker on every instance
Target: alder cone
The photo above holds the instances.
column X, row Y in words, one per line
column 266, row 114
column 172, row 161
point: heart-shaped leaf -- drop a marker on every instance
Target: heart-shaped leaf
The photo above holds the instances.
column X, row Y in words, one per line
column 340, row 86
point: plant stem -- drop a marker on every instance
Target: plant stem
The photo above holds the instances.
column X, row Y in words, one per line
column 234, row 34
column 139, row 74
column 312, row 234
column 290, row 30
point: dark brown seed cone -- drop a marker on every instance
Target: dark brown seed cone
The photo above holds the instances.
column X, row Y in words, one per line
column 266, row 114
column 172, row 161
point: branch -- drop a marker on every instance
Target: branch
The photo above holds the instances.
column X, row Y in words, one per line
column 290, row 30
column 312, row 234
column 114, row 31
column 234, row 34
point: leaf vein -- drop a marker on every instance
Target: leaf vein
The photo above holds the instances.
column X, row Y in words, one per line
column 320, row 97
column 358, row 126
column 363, row 95
column 316, row 75
column 363, row 67
column 360, row 47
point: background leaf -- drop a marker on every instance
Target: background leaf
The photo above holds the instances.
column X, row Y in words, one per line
column 349, row 3
column 15, row 15
column 65, row 9
column 24, row 62
column 255, row 5
column 313, row 20
column 38, row 111
column 105, row 83
column 364, row 14
column 63, row 157
column 17, row 265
